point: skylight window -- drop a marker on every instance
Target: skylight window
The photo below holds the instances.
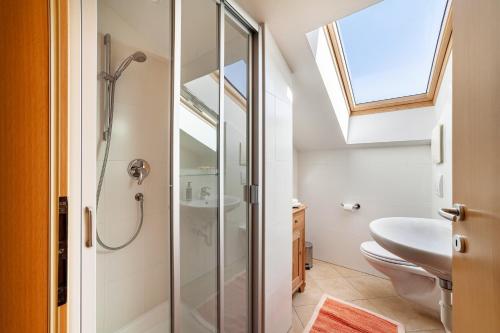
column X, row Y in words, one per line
column 392, row 52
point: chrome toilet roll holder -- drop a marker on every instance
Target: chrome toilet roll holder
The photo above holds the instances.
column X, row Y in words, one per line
column 355, row 206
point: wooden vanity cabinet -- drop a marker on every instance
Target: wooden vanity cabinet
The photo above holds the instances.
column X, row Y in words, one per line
column 298, row 249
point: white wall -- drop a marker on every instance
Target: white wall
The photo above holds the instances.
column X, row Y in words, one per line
column 295, row 173
column 385, row 181
column 133, row 280
column 443, row 116
column 278, row 189
column 401, row 126
column 332, row 82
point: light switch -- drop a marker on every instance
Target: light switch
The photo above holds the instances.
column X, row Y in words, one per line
column 437, row 144
column 438, row 186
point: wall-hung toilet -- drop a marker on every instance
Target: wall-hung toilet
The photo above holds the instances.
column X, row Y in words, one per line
column 411, row 282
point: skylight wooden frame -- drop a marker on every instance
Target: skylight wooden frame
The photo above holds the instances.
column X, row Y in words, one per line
column 231, row 91
column 441, row 56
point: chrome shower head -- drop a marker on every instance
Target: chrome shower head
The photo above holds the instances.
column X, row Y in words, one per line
column 136, row 56
column 139, row 56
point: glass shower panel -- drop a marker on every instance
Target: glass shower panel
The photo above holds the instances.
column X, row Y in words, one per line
column 133, row 162
column 198, row 121
column 236, row 162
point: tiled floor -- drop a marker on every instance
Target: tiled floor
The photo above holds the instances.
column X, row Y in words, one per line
column 367, row 291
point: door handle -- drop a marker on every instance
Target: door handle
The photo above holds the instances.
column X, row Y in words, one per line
column 90, row 222
column 457, row 213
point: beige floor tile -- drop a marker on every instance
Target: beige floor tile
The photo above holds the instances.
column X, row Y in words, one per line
column 297, row 326
column 310, row 296
column 308, row 275
column 310, row 282
column 339, row 288
column 372, row 286
column 401, row 311
column 365, row 304
column 366, row 291
column 322, row 270
column 305, row 313
column 347, row 272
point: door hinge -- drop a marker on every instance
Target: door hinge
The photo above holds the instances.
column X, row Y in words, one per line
column 252, row 194
column 62, row 262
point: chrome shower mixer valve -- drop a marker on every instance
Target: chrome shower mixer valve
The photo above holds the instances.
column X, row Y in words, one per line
column 138, row 169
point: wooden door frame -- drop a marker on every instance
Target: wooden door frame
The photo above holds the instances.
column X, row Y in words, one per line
column 66, row 154
column 476, row 165
column 34, row 139
column 58, row 27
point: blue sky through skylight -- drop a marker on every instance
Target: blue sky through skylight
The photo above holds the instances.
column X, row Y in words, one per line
column 389, row 47
column 236, row 74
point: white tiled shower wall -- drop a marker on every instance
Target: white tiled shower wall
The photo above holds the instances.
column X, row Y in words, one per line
column 278, row 188
column 135, row 279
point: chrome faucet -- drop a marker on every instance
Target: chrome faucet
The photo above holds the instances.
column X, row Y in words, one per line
column 204, row 192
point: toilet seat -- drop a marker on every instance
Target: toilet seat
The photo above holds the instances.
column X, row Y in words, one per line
column 410, row 281
column 374, row 250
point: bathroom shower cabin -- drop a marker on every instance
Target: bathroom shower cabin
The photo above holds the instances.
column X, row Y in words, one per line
column 173, row 192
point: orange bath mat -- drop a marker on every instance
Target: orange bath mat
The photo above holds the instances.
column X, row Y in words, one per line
column 335, row 316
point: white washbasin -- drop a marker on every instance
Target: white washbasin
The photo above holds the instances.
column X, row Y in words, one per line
column 205, row 211
column 230, row 203
column 424, row 242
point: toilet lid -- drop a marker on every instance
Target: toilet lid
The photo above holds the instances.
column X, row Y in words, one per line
column 373, row 249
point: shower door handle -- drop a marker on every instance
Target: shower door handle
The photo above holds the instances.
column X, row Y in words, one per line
column 89, row 227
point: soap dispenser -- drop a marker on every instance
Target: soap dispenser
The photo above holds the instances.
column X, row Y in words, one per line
column 189, row 192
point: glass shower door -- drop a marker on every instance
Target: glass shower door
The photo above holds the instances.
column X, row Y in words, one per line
column 212, row 133
column 198, row 115
column 236, row 175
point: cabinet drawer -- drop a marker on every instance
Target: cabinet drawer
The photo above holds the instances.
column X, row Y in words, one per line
column 298, row 220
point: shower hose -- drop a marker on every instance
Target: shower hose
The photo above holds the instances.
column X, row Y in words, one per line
column 138, row 197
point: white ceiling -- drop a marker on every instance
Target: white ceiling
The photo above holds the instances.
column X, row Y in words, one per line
column 315, row 125
column 144, row 24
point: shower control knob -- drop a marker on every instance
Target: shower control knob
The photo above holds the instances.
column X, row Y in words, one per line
column 139, row 197
column 459, row 243
column 138, row 169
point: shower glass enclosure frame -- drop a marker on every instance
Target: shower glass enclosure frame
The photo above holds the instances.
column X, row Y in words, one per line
column 82, row 257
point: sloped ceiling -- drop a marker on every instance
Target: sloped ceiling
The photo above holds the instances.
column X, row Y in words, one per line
column 315, row 125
